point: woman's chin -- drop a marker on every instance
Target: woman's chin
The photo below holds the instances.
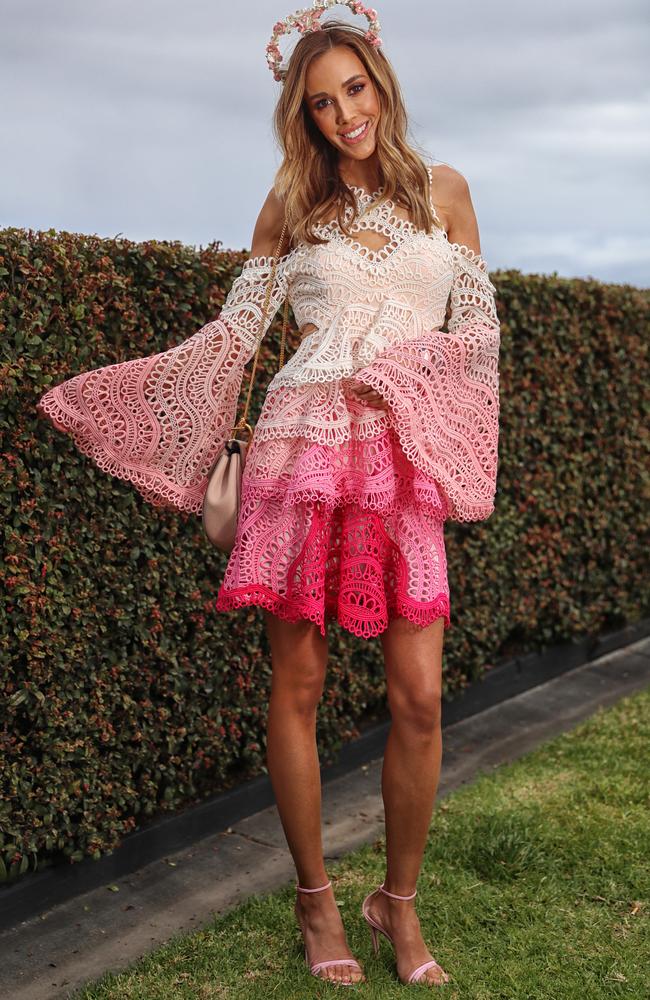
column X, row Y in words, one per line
column 360, row 153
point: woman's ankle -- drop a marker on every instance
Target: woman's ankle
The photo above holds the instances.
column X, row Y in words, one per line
column 313, row 884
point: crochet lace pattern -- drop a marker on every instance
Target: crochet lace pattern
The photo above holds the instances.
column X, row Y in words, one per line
column 335, row 520
column 160, row 421
column 378, row 318
column 343, row 504
column 353, row 532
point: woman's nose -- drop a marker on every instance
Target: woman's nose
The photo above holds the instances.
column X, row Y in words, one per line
column 345, row 113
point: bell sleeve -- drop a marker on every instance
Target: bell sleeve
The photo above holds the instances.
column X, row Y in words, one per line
column 159, row 422
column 443, row 392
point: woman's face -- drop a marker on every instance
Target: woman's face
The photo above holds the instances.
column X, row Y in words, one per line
column 341, row 98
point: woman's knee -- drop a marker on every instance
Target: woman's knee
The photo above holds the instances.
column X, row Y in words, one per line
column 415, row 705
column 413, row 660
column 299, row 663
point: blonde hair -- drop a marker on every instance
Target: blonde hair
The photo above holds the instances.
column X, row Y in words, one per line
column 308, row 180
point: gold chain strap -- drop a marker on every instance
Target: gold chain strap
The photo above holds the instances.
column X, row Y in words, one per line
column 285, row 322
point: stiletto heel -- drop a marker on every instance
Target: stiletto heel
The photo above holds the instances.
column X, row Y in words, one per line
column 314, row 967
column 375, row 927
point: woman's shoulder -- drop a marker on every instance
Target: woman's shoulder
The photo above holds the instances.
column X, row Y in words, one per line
column 450, row 194
column 268, row 227
column 448, row 182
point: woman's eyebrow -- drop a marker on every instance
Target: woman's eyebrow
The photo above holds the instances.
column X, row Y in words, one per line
column 346, row 83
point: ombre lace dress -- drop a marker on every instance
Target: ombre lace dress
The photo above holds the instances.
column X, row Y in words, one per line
column 343, row 503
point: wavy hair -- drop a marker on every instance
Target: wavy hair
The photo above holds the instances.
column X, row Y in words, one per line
column 308, row 180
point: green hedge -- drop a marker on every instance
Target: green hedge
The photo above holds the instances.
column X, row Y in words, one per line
column 125, row 693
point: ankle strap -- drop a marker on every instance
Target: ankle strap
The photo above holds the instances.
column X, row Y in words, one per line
column 319, row 889
column 394, row 894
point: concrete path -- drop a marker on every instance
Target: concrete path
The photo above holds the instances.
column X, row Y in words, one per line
column 54, row 954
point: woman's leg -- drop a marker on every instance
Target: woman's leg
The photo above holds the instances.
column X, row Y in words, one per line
column 410, row 774
column 299, row 664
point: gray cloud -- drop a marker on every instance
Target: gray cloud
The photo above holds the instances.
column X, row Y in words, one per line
column 153, row 120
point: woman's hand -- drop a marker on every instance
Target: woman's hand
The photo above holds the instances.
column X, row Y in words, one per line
column 366, row 394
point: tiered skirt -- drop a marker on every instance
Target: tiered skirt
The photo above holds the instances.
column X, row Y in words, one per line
column 350, row 531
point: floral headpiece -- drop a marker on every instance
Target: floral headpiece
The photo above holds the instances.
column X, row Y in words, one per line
column 308, row 19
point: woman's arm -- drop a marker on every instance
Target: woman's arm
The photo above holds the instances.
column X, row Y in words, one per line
column 453, row 202
column 442, row 388
column 463, row 227
column 243, row 307
column 160, row 421
column 269, row 227
column 471, row 300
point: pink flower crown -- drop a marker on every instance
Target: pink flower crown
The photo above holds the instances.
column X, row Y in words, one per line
column 307, row 19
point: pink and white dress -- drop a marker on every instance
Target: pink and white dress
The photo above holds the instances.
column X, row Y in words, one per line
column 343, row 504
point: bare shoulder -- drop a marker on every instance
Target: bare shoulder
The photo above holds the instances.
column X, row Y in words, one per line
column 268, row 227
column 449, row 183
column 453, row 200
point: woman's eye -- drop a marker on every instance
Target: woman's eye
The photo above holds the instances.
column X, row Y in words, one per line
column 355, row 88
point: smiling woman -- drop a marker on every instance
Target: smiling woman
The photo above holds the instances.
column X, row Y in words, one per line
column 382, row 426
column 341, row 122
column 358, row 98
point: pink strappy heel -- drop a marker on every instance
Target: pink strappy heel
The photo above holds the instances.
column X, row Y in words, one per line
column 416, row 975
column 314, row 967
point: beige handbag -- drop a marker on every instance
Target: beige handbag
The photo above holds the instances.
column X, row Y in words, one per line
column 223, row 495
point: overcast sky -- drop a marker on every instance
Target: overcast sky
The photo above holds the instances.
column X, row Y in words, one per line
column 152, row 119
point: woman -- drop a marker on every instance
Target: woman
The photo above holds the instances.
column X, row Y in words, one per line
column 379, row 428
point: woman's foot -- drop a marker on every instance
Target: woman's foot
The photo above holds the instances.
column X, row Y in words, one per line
column 399, row 918
column 324, row 934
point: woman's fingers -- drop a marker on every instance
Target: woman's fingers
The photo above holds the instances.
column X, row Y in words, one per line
column 368, row 395
column 373, row 398
column 365, row 390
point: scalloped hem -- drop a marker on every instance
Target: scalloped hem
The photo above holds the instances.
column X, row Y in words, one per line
column 301, row 610
column 373, row 474
column 426, row 500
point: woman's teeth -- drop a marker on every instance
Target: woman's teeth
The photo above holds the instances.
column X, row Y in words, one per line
column 357, row 135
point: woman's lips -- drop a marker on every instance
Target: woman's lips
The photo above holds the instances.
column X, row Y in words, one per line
column 359, row 138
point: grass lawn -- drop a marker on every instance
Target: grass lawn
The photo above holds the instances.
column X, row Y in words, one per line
column 534, row 884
